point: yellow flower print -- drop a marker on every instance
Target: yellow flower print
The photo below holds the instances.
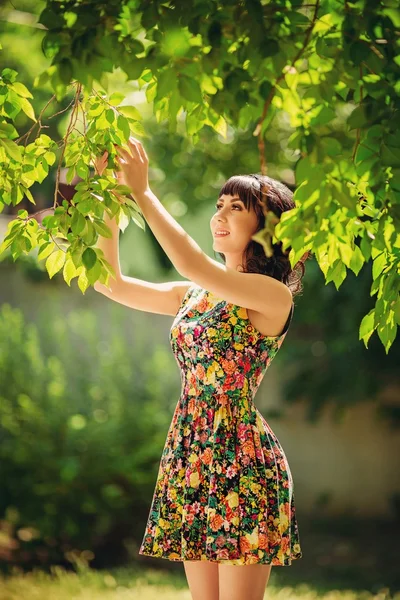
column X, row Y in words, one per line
column 238, row 346
column 211, row 332
column 210, row 376
column 296, row 548
column 280, row 556
column 219, row 416
column 193, row 458
column 194, row 480
column 241, row 313
column 233, row 499
column 284, row 522
column 269, row 473
column 163, row 524
column 233, row 320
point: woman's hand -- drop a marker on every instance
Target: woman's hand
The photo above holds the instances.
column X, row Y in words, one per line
column 100, row 163
column 134, row 166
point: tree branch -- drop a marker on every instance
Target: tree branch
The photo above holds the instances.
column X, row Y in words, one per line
column 258, row 129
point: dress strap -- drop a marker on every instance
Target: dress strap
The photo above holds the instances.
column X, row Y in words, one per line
column 289, row 319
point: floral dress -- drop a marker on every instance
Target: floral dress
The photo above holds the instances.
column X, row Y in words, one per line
column 224, row 490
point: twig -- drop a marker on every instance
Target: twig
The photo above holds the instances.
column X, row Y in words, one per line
column 258, row 129
column 63, row 110
column 38, row 121
column 74, row 115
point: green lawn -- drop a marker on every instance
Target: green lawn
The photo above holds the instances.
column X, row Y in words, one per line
column 149, row 584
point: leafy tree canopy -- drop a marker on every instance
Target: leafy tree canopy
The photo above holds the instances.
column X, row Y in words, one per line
column 330, row 68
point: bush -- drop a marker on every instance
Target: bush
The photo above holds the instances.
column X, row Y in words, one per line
column 83, row 418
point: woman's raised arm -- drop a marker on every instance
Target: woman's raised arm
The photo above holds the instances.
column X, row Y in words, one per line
column 160, row 298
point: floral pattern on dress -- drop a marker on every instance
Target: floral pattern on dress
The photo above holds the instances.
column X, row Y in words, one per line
column 224, row 490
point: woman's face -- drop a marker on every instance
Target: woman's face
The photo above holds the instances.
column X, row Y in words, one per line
column 231, row 216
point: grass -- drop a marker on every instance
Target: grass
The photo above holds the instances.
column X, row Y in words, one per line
column 146, row 584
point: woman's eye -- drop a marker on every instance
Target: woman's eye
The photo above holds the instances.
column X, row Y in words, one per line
column 217, row 206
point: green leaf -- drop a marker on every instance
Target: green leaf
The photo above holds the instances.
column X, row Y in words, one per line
column 357, row 260
column 83, row 282
column 65, row 71
column 28, row 194
column 138, row 219
column 336, row 273
column 378, row 264
column 28, row 108
column 55, row 262
column 94, row 273
column 323, row 115
column 359, row 51
column 45, row 250
column 123, row 126
column 190, row 89
column 358, row 118
column 102, row 229
column 390, row 156
column 12, row 149
column 89, row 258
column 78, row 222
column 110, row 116
column 131, row 112
column 116, row 98
column 122, row 219
column 70, row 271
column 21, row 90
column 367, row 327
column 269, row 47
column 9, row 75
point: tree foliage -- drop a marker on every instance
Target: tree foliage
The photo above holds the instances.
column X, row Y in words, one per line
column 330, row 68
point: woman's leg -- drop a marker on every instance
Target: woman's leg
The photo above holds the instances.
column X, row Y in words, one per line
column 243, row 582
column 202, row 577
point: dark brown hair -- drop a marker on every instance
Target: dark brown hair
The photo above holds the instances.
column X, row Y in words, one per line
column 262, row 193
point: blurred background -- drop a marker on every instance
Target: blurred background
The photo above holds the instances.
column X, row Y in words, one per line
column 88, row 387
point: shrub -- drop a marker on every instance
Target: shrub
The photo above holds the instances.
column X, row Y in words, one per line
column 83, row 419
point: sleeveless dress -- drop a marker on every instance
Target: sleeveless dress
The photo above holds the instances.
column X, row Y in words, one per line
column 224, row 490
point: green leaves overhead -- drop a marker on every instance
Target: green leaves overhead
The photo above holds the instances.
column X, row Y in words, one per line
column 66, row 238
column 325, row 73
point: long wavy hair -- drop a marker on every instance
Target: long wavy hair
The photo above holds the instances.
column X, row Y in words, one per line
column 260, row 193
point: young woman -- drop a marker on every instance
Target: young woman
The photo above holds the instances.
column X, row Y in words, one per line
column 223, row 502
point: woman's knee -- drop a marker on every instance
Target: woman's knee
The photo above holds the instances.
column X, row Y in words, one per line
column 243, row 582
column 202, row 577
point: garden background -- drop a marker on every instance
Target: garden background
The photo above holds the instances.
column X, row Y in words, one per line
column 88, row 387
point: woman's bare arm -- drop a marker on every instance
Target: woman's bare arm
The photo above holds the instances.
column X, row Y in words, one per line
column 160, row 298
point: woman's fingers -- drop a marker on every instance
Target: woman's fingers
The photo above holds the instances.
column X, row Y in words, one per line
column 135, row 148
column 124, row 154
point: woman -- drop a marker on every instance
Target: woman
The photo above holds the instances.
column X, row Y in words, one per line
column 224, row 492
